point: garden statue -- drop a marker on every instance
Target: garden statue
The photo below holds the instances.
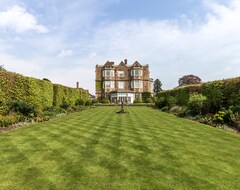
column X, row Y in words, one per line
column 122, row 109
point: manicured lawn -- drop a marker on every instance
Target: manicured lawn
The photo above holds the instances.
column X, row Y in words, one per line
column 98, row 149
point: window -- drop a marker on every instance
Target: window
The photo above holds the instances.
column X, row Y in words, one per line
column 109, row 84
column 121, row 84
column 108, row 73
column 136, row 72
column 121, row 73
column 136, row 84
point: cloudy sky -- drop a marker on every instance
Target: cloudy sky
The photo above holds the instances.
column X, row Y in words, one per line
column 64, row 40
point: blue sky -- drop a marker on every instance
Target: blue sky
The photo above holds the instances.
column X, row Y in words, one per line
column 64, row 40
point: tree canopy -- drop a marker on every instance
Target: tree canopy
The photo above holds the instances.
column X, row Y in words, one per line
column 189, row 79
column 157, row 86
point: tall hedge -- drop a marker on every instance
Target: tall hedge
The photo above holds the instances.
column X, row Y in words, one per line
column 221, row 93
column 16, row 87
column 63, row 94
column 39, row 93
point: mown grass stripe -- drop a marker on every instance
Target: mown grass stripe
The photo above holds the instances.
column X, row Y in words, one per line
column 99, row 149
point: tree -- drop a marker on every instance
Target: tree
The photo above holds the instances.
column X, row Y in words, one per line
column 189, row 79
column 157, row 86
column 2, row 68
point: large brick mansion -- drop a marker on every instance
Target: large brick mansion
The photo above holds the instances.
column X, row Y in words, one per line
column 122, row 83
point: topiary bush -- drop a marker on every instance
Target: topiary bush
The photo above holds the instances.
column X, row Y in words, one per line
column 149, row 100
column 138, row 100
column 105, row 101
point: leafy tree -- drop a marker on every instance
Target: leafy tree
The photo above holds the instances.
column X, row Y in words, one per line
column 189, row 79
column 157, row 86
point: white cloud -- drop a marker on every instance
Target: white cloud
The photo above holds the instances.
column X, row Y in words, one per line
column 65, row 53
column 172, row 48
column 210, row 49
column 18, row 19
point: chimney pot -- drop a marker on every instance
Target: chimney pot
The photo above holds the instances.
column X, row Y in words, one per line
column 125, row 61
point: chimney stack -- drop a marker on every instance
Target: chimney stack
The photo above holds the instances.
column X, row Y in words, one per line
column 125, row 61
column 77, row 85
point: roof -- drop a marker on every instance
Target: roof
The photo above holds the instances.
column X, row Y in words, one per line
column 110, row 64
column 122, row 91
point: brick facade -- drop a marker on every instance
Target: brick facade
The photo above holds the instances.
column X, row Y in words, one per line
column 122, row 82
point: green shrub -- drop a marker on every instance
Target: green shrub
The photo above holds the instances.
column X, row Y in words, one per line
column 105, row 101
column 146, row 96
column 95, row 101
column 154, row 99
column 6, row 121
column 88, row 103
column 178, row 110
column 161, row 102
column 65, row 105
column 235, row 109
column 171, row 101
column 206, row 120
column 23, row 108
column 137, row 100
column 220, row 94
column 80, row 102
column 149, row 100
column 196, row 103
column 218, row 117
column 165, row 109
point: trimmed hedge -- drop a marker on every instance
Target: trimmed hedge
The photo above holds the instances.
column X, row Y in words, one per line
column 220, row 94
column 39, row 93
column 66, row 95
